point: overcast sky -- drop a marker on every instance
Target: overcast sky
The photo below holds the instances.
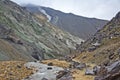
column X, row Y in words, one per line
column 103, row 9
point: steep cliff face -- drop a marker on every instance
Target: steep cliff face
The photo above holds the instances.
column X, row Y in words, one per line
column 28, row 36
column 104, row 46
column 80, row 26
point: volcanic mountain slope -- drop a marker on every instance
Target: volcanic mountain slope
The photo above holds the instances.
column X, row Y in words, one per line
column 27, row 36
column 104, row 46
column 82, row 27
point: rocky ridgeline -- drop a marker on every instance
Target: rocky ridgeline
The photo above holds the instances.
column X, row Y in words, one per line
column 104, row 46
column 110, row 31
column 77, row 25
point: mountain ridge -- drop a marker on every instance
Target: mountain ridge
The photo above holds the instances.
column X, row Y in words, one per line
column 30, row 35
column 80, row 26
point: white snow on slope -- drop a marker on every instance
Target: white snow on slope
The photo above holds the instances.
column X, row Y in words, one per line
column 45, row 13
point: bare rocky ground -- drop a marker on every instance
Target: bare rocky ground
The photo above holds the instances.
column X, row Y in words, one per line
column 75, row 68
column 58, row 70
column 14, row 70
column 45, row 70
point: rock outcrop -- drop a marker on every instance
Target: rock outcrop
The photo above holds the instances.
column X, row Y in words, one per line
column 112, row 72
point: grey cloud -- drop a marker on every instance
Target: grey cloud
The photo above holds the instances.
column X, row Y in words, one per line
column 103, row 9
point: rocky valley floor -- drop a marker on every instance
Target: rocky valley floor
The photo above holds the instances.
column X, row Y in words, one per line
column 45, row 70
column 58, row 70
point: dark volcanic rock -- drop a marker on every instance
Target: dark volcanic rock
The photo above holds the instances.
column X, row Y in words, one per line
column 80, row 66
column 113, row 72
column 64, row 75
column 92, row 48
column 44, row 79
column 49, row 68
column 77, row 65
column 61, row 74
column 96, row 70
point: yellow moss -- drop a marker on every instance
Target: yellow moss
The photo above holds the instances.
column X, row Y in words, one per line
column 80, row 75
column 57, row 62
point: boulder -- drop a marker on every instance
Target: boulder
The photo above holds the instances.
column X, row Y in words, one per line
column 61, row 73
column 92, row 48
column 44, row 79
column 49, row 68
column 64, row 75
column 81, row 66
column 113, row 72
column 77, row 65
column 96, row 69
column 89, row 72
column 68, row 58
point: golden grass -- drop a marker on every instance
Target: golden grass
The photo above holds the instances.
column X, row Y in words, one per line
column 56, row 62
column 102, row 54
column 40, row 17
column 80, row 75
column 13, row 70
column 77, row 74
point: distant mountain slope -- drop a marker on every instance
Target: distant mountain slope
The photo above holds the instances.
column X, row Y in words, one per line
column 26, row 36
column 104, row 46
column 80, row 26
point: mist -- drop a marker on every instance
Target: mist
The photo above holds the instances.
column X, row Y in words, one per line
column 102, row 9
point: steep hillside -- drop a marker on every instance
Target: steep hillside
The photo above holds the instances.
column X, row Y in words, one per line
column 104, row 46
column 28, row 36
column 82, row 27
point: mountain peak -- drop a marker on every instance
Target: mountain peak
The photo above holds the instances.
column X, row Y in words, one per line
column 118, row 15
column 6, row 1
column 116, row 19
column 80, row 26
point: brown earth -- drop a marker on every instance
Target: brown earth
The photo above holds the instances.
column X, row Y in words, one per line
column 14, row 70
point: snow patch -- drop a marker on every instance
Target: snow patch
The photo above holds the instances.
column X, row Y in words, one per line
column 45, row 13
